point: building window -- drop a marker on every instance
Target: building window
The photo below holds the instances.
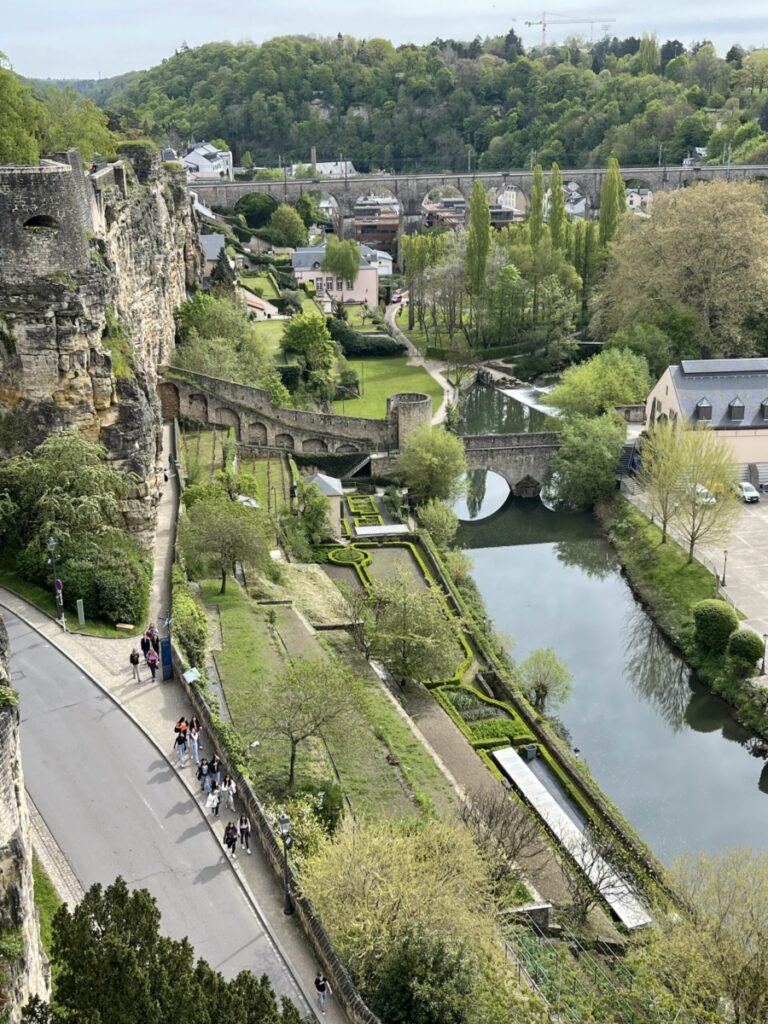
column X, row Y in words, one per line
column 329, row 284
column 703, row 409
column 736, row 409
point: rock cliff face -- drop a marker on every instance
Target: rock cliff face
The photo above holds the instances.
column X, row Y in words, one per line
column 23, row 967
column 92, row 267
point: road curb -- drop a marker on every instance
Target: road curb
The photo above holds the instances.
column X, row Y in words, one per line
column 255, row 906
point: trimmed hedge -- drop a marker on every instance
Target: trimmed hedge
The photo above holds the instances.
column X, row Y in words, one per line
column 714, row 622
column 190, row 627
column 745, row 645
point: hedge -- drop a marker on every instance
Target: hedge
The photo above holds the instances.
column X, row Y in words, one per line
column 714, row 622
column 190, row 626
column 745, row 645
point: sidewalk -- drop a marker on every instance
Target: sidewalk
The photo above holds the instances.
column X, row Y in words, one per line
column 415, row 358
column 156, row 707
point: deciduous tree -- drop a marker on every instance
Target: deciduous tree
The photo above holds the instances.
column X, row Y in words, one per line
column 432, row 463
column 614, row 377
column 707, row 507
column 478, row 249
column 342, row 259
column 441, row 521
column 307, row 335
column 585, row 465
column 612, row 201
column 224, row 532
column 286, row 227
column 661, row 475
column 544, row 679
column 556, row 208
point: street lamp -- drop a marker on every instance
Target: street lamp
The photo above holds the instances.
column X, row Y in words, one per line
column 52, row 544
column 725, row 564
column 284, row 824
column 762, row 663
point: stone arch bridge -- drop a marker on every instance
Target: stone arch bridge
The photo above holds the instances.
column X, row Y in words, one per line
column 256, row 422
column 410, row 189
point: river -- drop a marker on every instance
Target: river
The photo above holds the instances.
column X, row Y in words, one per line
column 667, row 752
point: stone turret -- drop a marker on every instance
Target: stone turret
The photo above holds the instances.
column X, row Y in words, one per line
column 407, row 411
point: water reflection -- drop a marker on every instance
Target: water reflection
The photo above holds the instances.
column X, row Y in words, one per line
column 475, row 491
column 488, row 411
column 596, row 560
column 484, row 494
column 654, row 671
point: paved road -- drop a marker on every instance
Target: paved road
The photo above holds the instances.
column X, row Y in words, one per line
column 116, row 807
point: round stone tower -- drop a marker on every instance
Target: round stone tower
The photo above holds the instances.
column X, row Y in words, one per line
column 406, row 412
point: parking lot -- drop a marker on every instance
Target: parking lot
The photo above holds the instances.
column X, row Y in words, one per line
column 746, row 574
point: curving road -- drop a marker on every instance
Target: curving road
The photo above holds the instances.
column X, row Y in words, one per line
column 116, row 807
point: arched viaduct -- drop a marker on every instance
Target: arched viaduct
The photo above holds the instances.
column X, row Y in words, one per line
column 513, row 456
column 410, row 189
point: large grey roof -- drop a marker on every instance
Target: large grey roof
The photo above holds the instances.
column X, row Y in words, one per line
column 306, row 258
column 212, row 245
column 721, row 382
column 330, row 486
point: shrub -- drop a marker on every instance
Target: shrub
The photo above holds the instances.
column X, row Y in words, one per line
column 121, row 586
column 745, row 647
column 354, row 344
column 189, row 623
column 715, row 621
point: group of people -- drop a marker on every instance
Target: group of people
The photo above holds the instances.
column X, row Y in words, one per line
column 234, row 831
column 187, row 739
column 150, row 651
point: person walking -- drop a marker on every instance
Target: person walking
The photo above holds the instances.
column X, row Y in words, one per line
column 134, row 659
column 204, row 775
column 181, row 745
column 244, row 829
column 213, row 801
column 230, row 838
column 229, row 789
column 193, row 739
column 152, row 660
column 323, row 990
column 145, row 644
column 214, row 767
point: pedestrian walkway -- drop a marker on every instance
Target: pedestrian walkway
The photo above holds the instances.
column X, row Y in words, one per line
column 434, row 368
column 156, row 707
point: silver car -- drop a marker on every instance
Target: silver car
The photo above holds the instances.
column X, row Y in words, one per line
column 748, row 493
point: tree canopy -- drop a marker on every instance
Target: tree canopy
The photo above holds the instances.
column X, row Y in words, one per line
column 614, row 377
column 432, row 463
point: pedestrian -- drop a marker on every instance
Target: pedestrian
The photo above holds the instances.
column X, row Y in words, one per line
column 134, row 659
column 193, row 738
column 156, row 643
column 244, row 828
column 214, row 767
column 323, row 990
column 181, row 745
column 181, row 726
column 213, row 800
column 146, row 643
column 229, row 789
column 203, row 775
column 152, row 660
column 230, row 838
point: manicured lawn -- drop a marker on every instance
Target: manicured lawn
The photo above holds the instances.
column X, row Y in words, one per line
column 46, row 901
column 262, row 284
column 42, row 599
column 270, row 474
column 202, row 453
column 271, row 332
column 308, row 304
column 355, row 319
column 383, row 377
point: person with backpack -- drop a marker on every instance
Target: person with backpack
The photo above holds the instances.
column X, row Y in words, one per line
column 230, row 839
column 323, row 990
column 180, row 743
column 244, row 828
column 153, row 660
column 134, row 660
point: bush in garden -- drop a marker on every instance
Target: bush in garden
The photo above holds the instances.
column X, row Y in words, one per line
column 745, row 648
column 714, row 622
column 189, row 624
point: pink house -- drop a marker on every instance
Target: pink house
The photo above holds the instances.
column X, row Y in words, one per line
column 307, row 266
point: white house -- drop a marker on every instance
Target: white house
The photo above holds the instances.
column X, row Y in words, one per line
column 328, row 169
column 203, row 160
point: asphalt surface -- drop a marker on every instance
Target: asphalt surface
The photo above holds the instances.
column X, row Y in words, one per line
column 116, row 807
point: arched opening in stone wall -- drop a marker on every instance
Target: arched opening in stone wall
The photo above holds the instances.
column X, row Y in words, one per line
column 284, row 441
column 41, row 224
column 314, row 444
column 376, row 219
column 228, row 418
column 198, row 408
column 257, row 433
column 444, row 205
column 345, row 449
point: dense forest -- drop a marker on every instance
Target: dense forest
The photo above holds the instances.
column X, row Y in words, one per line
column 436, row 107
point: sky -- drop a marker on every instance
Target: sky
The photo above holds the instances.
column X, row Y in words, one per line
column 102, row 38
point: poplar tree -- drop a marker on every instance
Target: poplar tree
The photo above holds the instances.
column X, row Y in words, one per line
column 536, row 219
column 612, row 201
column 557, row 218
column 478, row 248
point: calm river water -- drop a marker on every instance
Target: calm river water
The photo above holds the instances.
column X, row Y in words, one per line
column 669, row 754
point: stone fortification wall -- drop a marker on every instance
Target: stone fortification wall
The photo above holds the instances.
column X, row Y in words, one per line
column 27, row 973
column 92, row 267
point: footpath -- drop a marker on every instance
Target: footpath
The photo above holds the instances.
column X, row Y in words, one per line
column 435, row 369
column 155, row 708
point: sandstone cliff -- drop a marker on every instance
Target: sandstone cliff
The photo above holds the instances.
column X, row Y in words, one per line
column 23, row 968
column 92, row 267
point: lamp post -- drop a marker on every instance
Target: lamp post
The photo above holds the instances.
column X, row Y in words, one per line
column 52, row 544
column 762, row 663
column 284, row 824
column 725, row 564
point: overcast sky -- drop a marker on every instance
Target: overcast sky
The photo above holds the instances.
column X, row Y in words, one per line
column 101, row 38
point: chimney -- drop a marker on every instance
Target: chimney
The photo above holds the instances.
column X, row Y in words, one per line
column 313, row 160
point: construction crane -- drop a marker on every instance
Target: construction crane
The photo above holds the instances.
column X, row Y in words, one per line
column 547, row 18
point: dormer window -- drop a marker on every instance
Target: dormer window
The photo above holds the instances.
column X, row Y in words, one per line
column 736, row 409
column 703, row 409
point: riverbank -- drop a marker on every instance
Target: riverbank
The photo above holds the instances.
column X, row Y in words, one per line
column 669, row 587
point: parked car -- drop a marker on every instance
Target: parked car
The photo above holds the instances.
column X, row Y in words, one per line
column 397, row 296
column 748, row 493
column 704, row 496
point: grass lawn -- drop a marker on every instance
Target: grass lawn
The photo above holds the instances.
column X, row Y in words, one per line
column 270, row 473
column 355, row 319
column 382, row 377
column 46, row 901
column 271, row 333
column 262, row 284
column 202, row 453
column 308, row 304
column 42, row 599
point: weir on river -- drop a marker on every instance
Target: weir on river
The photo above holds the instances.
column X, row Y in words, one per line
column 666, row 751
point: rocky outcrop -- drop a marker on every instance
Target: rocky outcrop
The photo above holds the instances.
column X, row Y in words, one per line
column 92, row 267
column 23, row 967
